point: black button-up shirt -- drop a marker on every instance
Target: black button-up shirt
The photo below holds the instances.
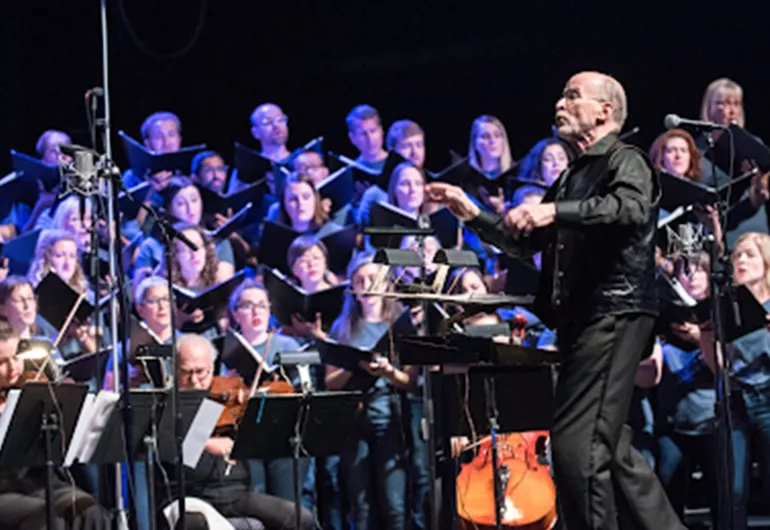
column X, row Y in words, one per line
column 598, row 257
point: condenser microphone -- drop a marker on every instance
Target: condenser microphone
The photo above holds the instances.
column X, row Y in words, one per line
column 674, row 121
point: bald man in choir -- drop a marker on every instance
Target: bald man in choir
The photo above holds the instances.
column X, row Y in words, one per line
column 223, row 485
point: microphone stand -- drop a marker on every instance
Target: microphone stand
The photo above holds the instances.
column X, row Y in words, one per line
column 429, row 413
column 169, row 235
column 722, row 420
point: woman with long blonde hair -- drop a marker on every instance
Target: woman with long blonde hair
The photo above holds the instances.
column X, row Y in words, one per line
column 749, row 372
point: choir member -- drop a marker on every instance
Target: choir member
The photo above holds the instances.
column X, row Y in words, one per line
column 18, row 305
column 366, row 134
column 749, row 356
column 407, row 138
column 270, row 127
column 723, row 104
column 57, row 252
column 208, row 169
column 373, row 464
column 196, row 270
column 490, row 153
column 250, row 314
column 685, row 406
column 182, row 200
column 674, row 152
column 21, row 217
column 545, row 162
column 161, row 133
column 301, row 209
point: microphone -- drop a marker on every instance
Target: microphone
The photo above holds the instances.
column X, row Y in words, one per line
column 674, row 121
column 687, row 241
column 96, row 91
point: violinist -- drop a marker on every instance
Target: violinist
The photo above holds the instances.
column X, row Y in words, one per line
column 224, row 484
column 22, row 491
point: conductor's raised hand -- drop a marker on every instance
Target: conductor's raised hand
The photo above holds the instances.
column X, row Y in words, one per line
column 454, row 198
column 520, row 221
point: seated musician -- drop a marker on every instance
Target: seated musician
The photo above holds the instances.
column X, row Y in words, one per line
column 228, row 491
column 22, row 491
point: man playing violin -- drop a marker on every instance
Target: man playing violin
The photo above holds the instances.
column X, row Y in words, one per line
column 222, row 483
column 22, row 490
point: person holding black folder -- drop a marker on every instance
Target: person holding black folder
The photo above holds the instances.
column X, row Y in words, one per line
column 406, row 139
column 161, row 133
column 182, row 201
column 750, row 356
column 307, row 259
column 208, row 169
column 684, row 419
column 250, row 312
column 18, row 305
column 22, row 491
column 366, row 134
column 489, row 153
column 300, row 207
column 596, row 227
column 26, row 211
column 57, row 252
column 373, row 463
column 196, row 271
column 223, row 484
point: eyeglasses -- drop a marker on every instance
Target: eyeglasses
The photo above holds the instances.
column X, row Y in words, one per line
column 251, row 306
column 197, row 373
column 209, row 170
column 283, row 119
column 157, row 301
column 309, row 259
column 27, row 300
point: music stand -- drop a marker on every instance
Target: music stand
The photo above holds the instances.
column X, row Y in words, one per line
column 285, row 425
column 35, row 429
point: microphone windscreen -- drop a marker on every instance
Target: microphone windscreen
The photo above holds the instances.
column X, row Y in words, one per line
column 671, row 121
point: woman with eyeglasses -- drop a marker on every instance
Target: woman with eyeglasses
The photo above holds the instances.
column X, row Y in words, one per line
column 250, row 314
column 18, row 304
column 373, row 460
column 153, row 305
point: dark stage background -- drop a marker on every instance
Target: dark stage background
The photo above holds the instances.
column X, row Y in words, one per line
column 440, row 64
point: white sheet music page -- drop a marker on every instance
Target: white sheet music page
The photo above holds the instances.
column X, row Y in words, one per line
column 7, row 415
column 200, row 431
column 100, row 412
column 81, row 427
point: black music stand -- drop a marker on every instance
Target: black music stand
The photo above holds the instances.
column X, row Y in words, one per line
column 286, row 425
column 38, row 425
column 152, row 436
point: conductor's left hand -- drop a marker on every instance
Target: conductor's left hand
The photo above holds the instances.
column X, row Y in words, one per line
column 520, row 221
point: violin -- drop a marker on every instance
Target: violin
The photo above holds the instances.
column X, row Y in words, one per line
column 234, row 393
column 24, row 378
column 529, row 494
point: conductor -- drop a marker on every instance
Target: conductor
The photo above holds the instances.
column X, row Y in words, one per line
column 596, row 228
